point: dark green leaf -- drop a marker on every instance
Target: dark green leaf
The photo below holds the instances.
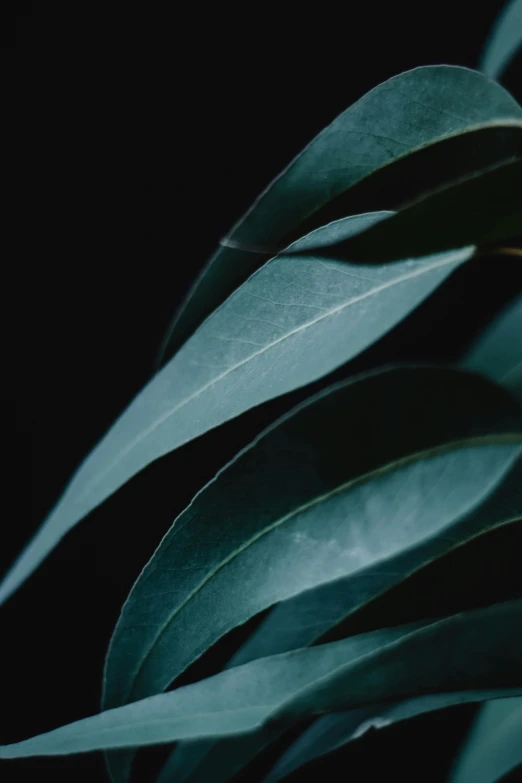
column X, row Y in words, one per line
column 479, row 210
column 505, row 40
column 208, row 761
column 333, row 731
column 306, row 618
column 281, row 506
column 498, row 353
column 407, row 112
column 479, row 650
column 292, row 322
column 494, row 747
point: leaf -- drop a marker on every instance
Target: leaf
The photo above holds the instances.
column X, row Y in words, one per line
column 309, row 617
column 492, row 211
column 401, row 115
column 273, row 507
column 494, row 748
column 292, row 322
column 282, row 506
column 498, row 353
column 479, row 650
column 331, row 732
column 504, row 41
column 324, row 736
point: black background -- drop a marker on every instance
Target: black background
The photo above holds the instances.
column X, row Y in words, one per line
column 138, row 134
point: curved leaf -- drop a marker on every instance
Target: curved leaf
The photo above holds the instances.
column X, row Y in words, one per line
column 492, row 211
column 504, row 41
column 478, row 650
column 292, row 322
column 282, row 505
column 407, row 112
column 333, row 731
column 494, row 748
column 262, row 510
column 498, row 353
column 309, row 616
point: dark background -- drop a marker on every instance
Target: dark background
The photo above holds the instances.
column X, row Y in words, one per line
column 138, row 134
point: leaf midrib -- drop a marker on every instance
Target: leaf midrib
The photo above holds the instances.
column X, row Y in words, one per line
column 145, row 433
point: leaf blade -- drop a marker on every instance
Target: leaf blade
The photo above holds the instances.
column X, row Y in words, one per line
column 498, row 352
column 493, row 748
column 332, row 732
column 251, row 350
column 193, row 557
column 308, row 618
column 504, row 41
column 493, row 213
column 387, row 123
column 318, row 679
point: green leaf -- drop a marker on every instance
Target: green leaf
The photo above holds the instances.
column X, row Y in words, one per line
column 309, row 616
column 281, row 506
column 479, row 650
column 479, row 210
column 202, row 761
column 401, row 115
column 293, row 321
column 498, row 352
column 494, row 747
column 333, row 731
column 504, row 41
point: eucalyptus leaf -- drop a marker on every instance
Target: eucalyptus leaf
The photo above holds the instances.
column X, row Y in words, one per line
column 331, row 732
column 504, row 41
column 498, row 352
column 479, row 650
column 232, row 702
column 309, row 616
column 205, row 761
column 494, row 747
column 292, row 322
column 482, row 209
column 405, row 113
column 281, row 507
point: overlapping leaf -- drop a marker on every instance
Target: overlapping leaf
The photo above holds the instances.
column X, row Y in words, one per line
column 493, row 212
column 281, row 508
column 498, row 352
column 292, row 322
column 333, row 731
column 505, row 40
column 308, row 617
column 494, row 748
column 479, row 650
column 401, row 115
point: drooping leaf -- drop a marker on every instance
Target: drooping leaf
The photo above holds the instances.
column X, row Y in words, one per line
column 449, row 655
column 236, row 701
column 292, row 322
column 479, row 650
column 405, row 113
column 423, row 171
column 504, row 41
column 333, row 731
column 478, row 210
column 309, row 616
column 498, row 353
column 282, row 506
column 262, row 511
column 211, row 761
column 494, row 747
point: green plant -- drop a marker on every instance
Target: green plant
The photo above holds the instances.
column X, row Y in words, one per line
column 350, row 493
